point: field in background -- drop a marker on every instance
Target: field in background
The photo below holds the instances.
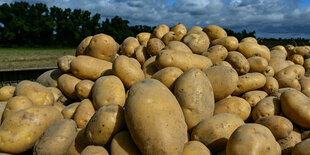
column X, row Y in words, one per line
column 20, row 58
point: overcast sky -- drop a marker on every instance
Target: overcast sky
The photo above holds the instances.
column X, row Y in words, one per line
column 269, row 18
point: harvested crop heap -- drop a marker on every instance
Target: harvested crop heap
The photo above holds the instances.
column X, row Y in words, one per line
column 170, row 92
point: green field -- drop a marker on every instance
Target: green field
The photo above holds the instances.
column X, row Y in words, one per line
column 19, row 58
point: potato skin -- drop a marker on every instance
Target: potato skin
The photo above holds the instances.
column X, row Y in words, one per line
column 197, row 41
column 257, row 64
column 149, row 68
column 292, row 72
column 168, row 76
column 141, row 115
column 57, row 138
column 83, row 113
column 216, row 53
column 178, row 46
column 239, row 62
column 268, row 106
column 154, row 46
column 49, row 78
column 289, row 83
column 180, row 31
column 122, row 144
column 82, row 47
column 230, row 43
column 250, row 81
column 253, row 97
column 6, row 92
column 215, row 131
column 94, row 150
column 249, row 49
column 141, row 54
column 15, row 104
column 128, row 46
column 160, row 31
column 214, row 32
column 64, row 63
column 20, row 131
column 68, row 111
column 67, row 83
column 143, row 38
column 269, row 71
column 169, row 36
column 194, row 92
column 271, row 85
column 297, row 59
column 83, row 89
column 195, row 147
column 302, row 148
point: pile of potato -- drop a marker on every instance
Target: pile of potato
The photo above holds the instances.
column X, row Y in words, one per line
column 175, row 91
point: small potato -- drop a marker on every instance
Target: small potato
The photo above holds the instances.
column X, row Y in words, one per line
column 307, row 64
column 49, row 78
column 122, row 143
column 278, row 125
column 83, row 113
column 223, row 63
column 168, row 76
column 268, row 106
column 86, row 67
column 169, row 36
column 269, row 71
column 215, row 32
column 239, row 62
column 141, row 54
column 94, row 150
column 234, row 105
column 287, row 144
column 67, row 83
column 6, row 92
column 182, row 60
column 271, row 85
column 194, row 92
column 103, row 47
column 297, row 59
column 253, row 97
column 252, row 139
column 15, row 104
column 180, row 31
column 68, row 111
column 160, row 31
column 257, row 64
column 302, row 148
column 250, row 81
column 57, row 138
column 230, row 43
column 216, row 53
column 38, row 94
column 128, row 46
column 178, row 46
column 149, row 68
column 83, row 89
column 194, row 28
column 64, row 63
column 215, row 131
column 128, row 70
column 224, row 80
column 81, row 49
column 289, row 83
column 249, row 49
column 249, row 39
column 197, row 41
column 143, row 38
column 291, row 72
column 195, row 147
column 154, row 46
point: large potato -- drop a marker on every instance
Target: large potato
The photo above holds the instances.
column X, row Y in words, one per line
column 195, row 147
column 197, row 41
column 194, row 92
column 64, row 63
column 128, row 70
column 67, row 83
column 57, row 138
column 271, row 85
column 215, row 131
column 180, row 31
column 215, row 32
column 68, row 111
column 252, row 139
column 143, row 38
column 224, row 80
column 291, row 72
column 230, row 43
column 94, row 150
column 83, row 113
column 250, row 81
column 38, row 94
column 302, row 148
column 178, row 46
column 6, row 92
column 257, row 64
column 82, row 47
column 15, row 104
column 20, row 131
column 168, row 76
column 253, row 97
column 128, row 46
column 122, row 144
column 160, row 31
column 249, row 49
column 154, row 46
column 49, row 78
column 268, row 106
column 157, row 109
column 287, row 144
column 239, row 62
column 83, row 89
column 149, row 68
column 216, row 53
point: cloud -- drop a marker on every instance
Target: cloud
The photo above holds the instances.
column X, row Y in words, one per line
column 269, row 18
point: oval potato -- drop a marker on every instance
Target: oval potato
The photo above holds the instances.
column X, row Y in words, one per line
column 6, row 92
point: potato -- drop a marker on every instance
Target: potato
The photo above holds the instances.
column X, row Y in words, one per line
column 59, row 106
column 274, row 54
column 287, row 144
column 180, row 31
column 58, row 96
column 295, row 105
column 86, row 67
column 279, row 92
column 154, row 46
column 268, row 106
column 197, row 41
column 278, row 64
column 249, row 49
column 257, row 64
column 6, row 92
column 16, row 104
column 128, row 46
column 2, row 108
column 223, row 63
column 230, row 43
column 253, row 97
column 214, row 32
column 122, row 144
column 249, row 39
column 83, row 113
column 301, row 50
column 103, row 47
column 168, row 76
column 64, row 63
column 195, row 147
column 67, row 83
column 128, row 70
column 291, row 72
column 279, row 126
column 271, row 85
column 290, row 49
column 141, row 115
column 149, row 68
column 169, row 36
column 81, row 49
column 194, row 92
column 94, row 150
column 49, row 78
column 216, row 53
column 297, row 59
column 178, row 46
column 306, row 92
column 250, row 81
column 68, row 111
column 307, row 64
column 83, row 89
column 38, row 94
column 194, row 28
column 289, row 83
column 223, row 79
column 304, row 83
column 141, row 54
column 57, row 138
column 252, row 139
column 143, row 38
column 182, row 60
column 302, row 148
column 215, row 131
column 239, row 62
column 21, row 130
column 279, row 47
column 234, row 105
column 80, row 142
column 160, row 31
column 269, row 71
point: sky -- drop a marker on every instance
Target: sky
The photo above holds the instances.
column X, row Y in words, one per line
column 269, row 18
